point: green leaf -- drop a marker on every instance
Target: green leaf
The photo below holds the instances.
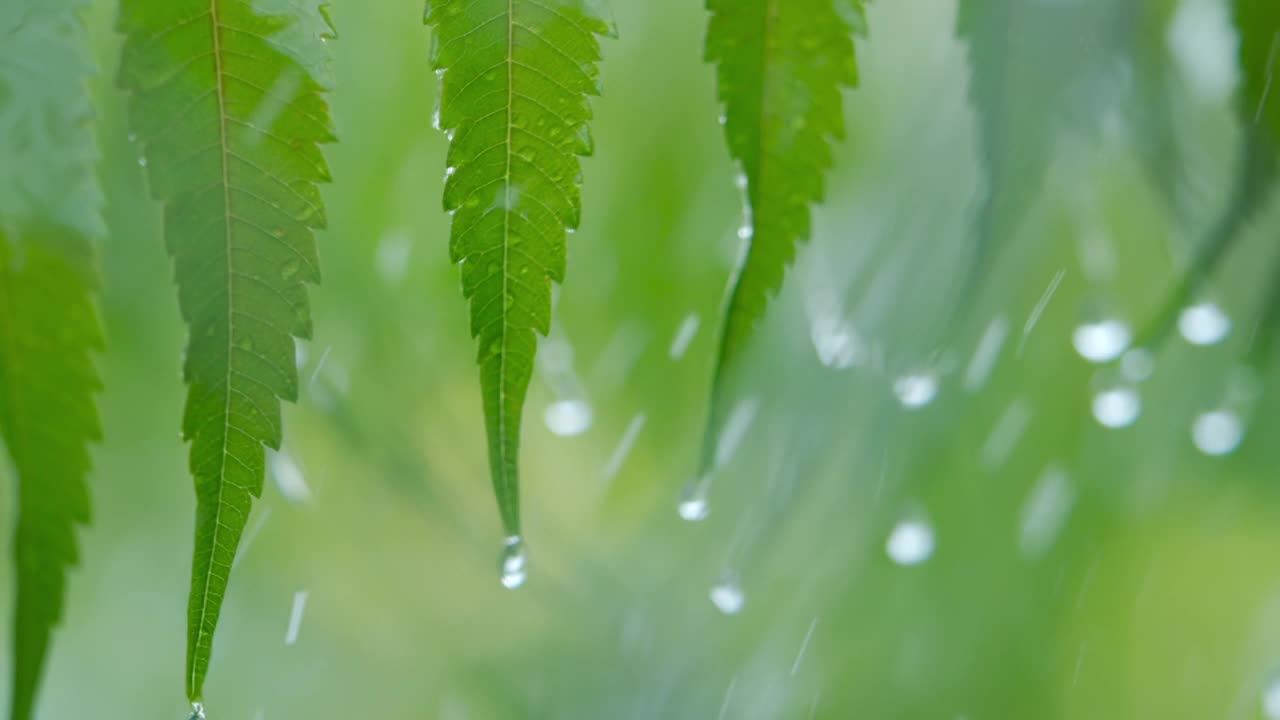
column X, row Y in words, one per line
column 230, row 117
column 1258, row 25
column 1036, row 69
column 515, row 78
column 49, row 211
column 781, row 67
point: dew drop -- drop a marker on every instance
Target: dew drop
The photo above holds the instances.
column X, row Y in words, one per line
column 916, row 390
column 568, row 418
column 1102, row 341
column 1117, row 407
column 1217, row 432
column 197, row 711
column 728, row 597
column 910, row 543
column 514, row 568
column 1204, row 324
column 693, row 505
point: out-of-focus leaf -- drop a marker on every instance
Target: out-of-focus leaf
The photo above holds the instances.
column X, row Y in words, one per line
column 781, row 67
column 1037, row 69
column 49, row 213
column 515, row 78
column 231, row 120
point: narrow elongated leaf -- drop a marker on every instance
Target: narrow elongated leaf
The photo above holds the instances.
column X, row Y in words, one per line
column 1258, row 26
column 49, row 204
column 1258, row 23
column 515, row 78
column 781, row 67
column 230, row 118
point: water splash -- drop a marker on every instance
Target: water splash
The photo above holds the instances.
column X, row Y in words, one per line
column 910, row 543
column 728, row 597
column 1102, row 341
column 514, row 565
column 693, row 505
column 197, row 711
column 568, row 418
column 1204, row 324
column 1217, row 432
column 916, row 390
column 1117, row 407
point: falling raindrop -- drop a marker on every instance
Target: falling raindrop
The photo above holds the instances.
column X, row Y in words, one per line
column 1217, row 432
column 735, row 429
column 289, row 478
column 568, row 418
column 623, row 448
column 142, row 161
column 1045, row 511
column 1204, row 324
column 684, row 335
column 1117, row 407
column 392, row 257
column 728, row 597
column 295, row 617
column 1102, row 341
column 197, row 711
column 836, row 342
column 693, row 505
column 133, row 137
column 986, row 353
column 916, row 390
column 910, row 543
column 1137, row 364
column 514, row 567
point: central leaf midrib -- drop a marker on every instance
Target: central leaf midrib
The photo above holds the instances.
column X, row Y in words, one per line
column 506, row 240
column 226, row 389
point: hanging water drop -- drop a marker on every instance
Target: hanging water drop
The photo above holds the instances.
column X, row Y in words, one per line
column 1102, row 341
column 910, row 543
column 197, row 711
column 1217, row 432
column 1204, row 324
column 568, row 418
column 916, row 390
column 514, row 567
column 693, row 505
column 1117, row 407
column 728, row 597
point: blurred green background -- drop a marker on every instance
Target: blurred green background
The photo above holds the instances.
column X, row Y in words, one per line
column 995, row 552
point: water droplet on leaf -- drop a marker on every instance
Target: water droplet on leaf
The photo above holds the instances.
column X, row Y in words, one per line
column 1217, row 432
column 1204, row 324
column 1117, row 407
column 910, row 543
column 568, row 418
column 1102, row 341
column 728, row 597
column 916, row 390
column 513, row 566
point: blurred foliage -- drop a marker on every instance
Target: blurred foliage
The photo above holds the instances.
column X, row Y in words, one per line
column 1146, row 588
